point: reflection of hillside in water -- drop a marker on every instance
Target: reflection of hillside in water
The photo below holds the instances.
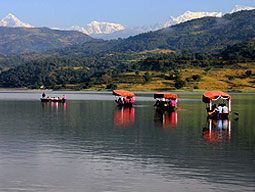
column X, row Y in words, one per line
column 124, row 116
column 218, row 132
column 165, row 119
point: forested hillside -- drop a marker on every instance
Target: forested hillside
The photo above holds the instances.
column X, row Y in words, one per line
column 202, row 43
column 85, row 72
column 24, row 40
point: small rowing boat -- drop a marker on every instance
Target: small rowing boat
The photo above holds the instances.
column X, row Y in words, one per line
column 54, row 99
column 221, row 110
column 166, row 101
column 123, row 97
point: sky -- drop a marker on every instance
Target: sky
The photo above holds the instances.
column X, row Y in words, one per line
column 66, row 13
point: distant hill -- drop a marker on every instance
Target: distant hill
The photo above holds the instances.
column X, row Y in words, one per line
column 208, row 34
column 199, row 35
column 24, row 40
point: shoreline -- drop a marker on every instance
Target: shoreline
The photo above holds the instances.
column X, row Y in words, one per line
column 134, row 90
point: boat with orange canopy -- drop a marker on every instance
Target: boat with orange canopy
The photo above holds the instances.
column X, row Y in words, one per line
column 221, row 97
column 124, row 97
column 167, row 101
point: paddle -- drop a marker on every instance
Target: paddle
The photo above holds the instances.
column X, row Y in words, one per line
column 179, row 108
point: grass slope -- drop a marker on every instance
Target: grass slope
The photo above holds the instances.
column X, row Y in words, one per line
column 228, row 78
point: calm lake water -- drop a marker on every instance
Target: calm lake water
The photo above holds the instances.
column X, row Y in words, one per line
column 89, row 144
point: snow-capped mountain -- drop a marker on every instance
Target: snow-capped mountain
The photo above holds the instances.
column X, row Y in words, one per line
column 107, row 30
column 241, row 8
column 131, row 31
column 96, row 27
column 11, row 21
column 189, row 15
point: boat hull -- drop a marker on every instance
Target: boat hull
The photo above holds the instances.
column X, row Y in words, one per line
column 168, row 108
column 219, row 116
column 125, row 104
column 45, row 100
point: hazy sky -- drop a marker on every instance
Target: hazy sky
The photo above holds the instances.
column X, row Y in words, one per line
column 65, row 13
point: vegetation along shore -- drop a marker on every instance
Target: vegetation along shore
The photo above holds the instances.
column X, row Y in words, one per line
column 205, row 53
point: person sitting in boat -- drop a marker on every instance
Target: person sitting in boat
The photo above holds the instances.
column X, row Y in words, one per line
column 127, row 100
column 219, row 111
column 132, row 100
column 219, row 108
column 59, row 98
column 64, row 97
column 213, row 111
column 157, row 104
column 120, row 101
column 173, row 103
column 43, row 95
column 224, row 108
column 164, row 102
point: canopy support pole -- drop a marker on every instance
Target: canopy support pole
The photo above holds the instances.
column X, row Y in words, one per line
column 210, row 106
column 210, row 127
column 229, row 105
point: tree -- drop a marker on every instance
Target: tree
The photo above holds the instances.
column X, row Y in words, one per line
column 147, row 77
column 179, row 84
column 196, row 77
column 111, row 86
column 248, row 73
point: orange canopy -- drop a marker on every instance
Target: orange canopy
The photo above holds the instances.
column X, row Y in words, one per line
column 165, row 95
column 123, row 93
column 209, row 95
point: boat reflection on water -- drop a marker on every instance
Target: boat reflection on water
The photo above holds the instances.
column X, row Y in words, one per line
column 124, row 116
column 54, row 106
column 165, row 119
column 218, row 131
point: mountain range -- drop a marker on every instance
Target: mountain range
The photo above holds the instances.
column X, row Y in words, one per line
column 202, row 42
column 203, row 35
column 108, row 30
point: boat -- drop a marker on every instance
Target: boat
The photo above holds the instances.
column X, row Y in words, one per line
column 166, row 101
column 53, row 99
column 123, row 97
column 221, row 97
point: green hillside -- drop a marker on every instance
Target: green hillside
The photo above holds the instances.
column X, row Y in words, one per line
column 170, row 70
column 203, row 44
column 244, row 50
column 24, row 40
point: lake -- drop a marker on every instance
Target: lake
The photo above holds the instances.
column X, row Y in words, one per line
column 89, row 144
